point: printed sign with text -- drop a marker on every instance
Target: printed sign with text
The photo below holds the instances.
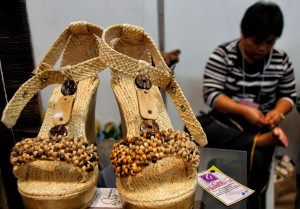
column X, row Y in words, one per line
column 222, row 187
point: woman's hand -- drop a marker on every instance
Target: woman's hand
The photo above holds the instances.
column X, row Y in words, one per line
column 226, row 105
column 255, row 117
column 273, row 117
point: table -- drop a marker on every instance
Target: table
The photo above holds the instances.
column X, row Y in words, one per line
column 231, row 162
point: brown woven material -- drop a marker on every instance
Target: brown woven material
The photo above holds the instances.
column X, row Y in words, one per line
column 60, row 184
column 171, row 181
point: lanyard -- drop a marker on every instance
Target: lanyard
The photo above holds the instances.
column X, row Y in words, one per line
column 266, row 65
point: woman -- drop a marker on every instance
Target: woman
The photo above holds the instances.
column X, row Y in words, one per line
column 250, row 87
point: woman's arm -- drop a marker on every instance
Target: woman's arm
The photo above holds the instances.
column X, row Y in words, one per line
column 226, row 105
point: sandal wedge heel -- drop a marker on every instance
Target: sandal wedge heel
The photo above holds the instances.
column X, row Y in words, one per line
column 59, row 168
column 155, row 165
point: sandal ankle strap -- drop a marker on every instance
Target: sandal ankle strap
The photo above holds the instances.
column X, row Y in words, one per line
column 160, row 75
column 45, row 74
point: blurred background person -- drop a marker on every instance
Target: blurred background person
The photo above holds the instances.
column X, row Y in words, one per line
column 250, row 86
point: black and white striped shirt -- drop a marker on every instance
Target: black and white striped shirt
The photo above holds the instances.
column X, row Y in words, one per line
column 264, row 82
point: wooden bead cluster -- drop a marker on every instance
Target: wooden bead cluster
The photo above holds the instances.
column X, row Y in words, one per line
column 75, row 151
column 131, row 154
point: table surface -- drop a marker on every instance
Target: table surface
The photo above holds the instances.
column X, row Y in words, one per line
column 231, row 162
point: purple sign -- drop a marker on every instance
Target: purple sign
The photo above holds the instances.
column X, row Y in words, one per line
column 208, row 177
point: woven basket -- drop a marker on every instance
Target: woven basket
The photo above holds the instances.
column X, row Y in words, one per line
column 163, row 180
column 55, row 182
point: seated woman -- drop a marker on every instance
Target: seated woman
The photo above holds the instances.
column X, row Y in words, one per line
column 250, row 87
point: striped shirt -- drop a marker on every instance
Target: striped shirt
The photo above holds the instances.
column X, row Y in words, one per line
column 263, row 83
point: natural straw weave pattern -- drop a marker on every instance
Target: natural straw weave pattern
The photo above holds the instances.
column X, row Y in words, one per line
column 124, row 68
column 55, row 189
column 159, row 178
column 169, row 183
column 45, row 69
column 56, row 184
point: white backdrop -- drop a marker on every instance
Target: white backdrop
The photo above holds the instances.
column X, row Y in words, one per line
column 194, row 26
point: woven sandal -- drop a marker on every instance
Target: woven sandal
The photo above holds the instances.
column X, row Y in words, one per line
column 59, row 168
column 155, row 166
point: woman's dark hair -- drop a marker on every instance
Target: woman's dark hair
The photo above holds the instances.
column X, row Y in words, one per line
column 261, row 20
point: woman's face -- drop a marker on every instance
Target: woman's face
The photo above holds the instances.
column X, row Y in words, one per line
column 255, row 49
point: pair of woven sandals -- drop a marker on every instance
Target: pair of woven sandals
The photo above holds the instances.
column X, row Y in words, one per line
column 155, row 166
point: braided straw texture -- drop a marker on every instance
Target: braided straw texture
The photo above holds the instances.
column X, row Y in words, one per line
column 45, row 74
column 186, row 113
column 123, row 83
column 169, row 183
column 58, row 195
column 162, row 184
column 81, row 201
column 129, row 108
column 56, row 184
column 123, row 56
column 83, row 113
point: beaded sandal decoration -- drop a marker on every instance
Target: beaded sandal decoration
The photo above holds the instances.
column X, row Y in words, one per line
column 59, row 168
column 155, row 165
